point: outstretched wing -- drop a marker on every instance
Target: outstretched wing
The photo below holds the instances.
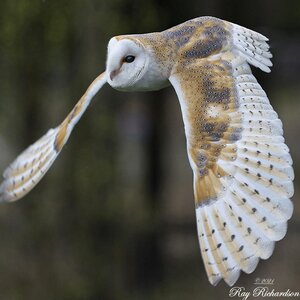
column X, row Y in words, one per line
column 242, row 168
column 30, row 166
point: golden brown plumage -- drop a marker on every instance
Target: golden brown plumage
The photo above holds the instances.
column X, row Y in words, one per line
column 233, row 141
column 242, row 168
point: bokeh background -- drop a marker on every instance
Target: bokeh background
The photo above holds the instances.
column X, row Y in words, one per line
column 114, row 218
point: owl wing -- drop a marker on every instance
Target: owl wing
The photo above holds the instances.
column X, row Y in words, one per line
column 242, row 168
column 30, row 166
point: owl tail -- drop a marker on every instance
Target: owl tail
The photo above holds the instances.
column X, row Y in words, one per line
column 30, row 166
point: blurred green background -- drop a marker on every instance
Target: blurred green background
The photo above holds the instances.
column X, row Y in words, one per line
column 114, row 218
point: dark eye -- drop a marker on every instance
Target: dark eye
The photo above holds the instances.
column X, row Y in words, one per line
column 129, row 59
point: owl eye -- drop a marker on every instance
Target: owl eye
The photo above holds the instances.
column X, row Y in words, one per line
column 129, row 59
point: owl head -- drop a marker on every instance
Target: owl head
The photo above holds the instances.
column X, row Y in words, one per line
column 133, row 65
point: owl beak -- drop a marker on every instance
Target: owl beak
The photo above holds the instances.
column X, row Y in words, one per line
column 114, row 73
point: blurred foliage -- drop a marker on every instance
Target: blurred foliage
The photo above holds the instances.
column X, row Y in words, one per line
column 114, row 217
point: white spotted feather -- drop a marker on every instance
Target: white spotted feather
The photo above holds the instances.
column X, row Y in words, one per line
column 263, row 179
column 253, row 47
column 242, row 225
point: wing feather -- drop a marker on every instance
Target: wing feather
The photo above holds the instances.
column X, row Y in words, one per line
column 242, row 167
column 252, row 46
column 30, row 166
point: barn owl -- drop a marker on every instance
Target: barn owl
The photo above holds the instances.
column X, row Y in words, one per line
column 241, row 165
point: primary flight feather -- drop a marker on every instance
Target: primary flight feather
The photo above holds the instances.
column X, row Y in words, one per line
column 242, row 167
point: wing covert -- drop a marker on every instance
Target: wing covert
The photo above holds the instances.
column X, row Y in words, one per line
column 242, row 168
